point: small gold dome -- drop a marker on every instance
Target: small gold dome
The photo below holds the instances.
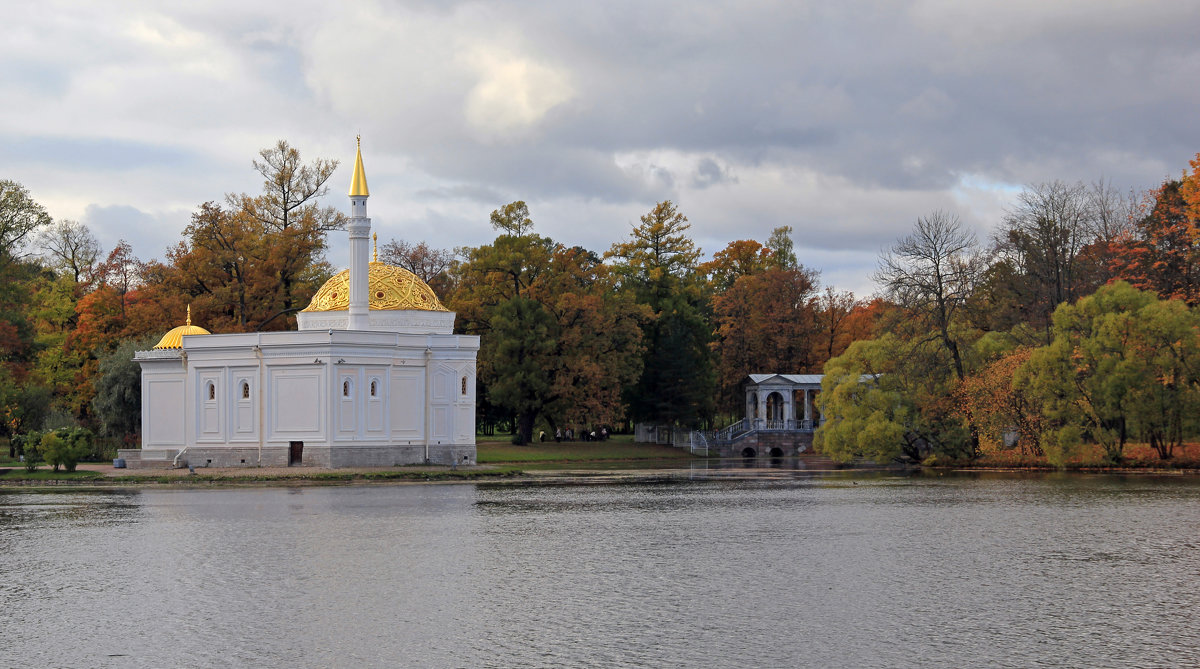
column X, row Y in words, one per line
column 174, row 338
column 390, row 287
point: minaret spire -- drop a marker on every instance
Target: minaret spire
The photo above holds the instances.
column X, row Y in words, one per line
column 359, row 228
column 358, row 185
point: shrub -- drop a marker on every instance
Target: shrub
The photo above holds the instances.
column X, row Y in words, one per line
column 27, row 446
column 66, row 447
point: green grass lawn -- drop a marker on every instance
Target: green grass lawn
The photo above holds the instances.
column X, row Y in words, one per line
column 492, row 450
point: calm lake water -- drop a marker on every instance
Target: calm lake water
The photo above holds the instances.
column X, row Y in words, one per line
column 875, row 571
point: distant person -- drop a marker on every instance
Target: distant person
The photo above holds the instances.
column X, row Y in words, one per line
column 570, row 434
column 558, row 435
column 542, row 436
column 604, row 434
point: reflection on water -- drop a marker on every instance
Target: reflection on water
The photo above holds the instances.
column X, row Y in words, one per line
column 835, row 570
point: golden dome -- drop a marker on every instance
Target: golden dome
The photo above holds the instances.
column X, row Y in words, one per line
column 174, row 338
column 390, row 287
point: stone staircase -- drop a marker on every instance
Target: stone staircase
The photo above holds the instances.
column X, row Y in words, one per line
column 155, row 460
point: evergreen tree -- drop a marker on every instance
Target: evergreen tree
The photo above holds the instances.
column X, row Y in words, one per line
column 658, row 266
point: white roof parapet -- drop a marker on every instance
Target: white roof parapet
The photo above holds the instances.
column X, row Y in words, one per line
column 159, row 354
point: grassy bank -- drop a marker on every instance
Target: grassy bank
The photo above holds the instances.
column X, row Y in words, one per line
column 1087, row 457
column 496, row 451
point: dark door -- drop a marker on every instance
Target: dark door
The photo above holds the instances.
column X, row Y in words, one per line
column 295, row 453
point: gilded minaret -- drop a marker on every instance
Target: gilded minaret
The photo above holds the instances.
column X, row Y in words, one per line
column 360, row 233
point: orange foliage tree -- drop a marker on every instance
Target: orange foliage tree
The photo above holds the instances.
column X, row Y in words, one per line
column 740, row 258
column 1163, row 253
column 997, row 408
column 842, row 320
column 766, row 321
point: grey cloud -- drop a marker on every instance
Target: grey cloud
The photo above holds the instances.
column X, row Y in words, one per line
column 709, row 173
column 474, row 192
column 891, row 103
column 148, row 234
column 95, row 153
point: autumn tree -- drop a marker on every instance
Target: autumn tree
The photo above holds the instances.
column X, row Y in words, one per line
column 782, row 251
column 1190, row 188
column 70, row 247
column 834, row 311
column 1119, row 366
column 429, row 264
column 931, row 273
column 1162, row 252
column 765, row 321
column 888, row 399
column 513, row 219
column 1001, row 409
column 1042, row 241
column 657, row 266
column 59, row 361
column 120, row 272
column 740, row 258
column 226, row 266
column 599, row 345
column 557, row 341
column 515, row 332
column 293, row 221
column 22, row 401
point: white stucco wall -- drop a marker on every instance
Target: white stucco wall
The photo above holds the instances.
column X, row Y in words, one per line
column 301, row 377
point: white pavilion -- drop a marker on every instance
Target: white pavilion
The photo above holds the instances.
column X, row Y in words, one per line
column 373, row 377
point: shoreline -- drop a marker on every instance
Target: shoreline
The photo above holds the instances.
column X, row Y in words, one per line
column 584, row 473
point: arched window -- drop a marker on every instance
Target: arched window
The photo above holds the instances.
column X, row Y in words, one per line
column 346, row 388
column 374, row 388
column 245, row 390
column 212, row 391
column 464, row 385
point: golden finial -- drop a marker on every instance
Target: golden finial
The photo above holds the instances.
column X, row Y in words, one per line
column 375, row 243
column 189, row 318
column 358, row 184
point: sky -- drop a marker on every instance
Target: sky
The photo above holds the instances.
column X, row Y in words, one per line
column 845, row 120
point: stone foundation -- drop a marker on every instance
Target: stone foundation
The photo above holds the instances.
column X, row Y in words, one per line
column 784, row 444
column 311, row 456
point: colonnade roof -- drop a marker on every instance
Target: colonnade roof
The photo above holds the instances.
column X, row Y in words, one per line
column 788, row 379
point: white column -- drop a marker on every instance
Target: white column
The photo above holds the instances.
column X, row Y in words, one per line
column 807, row 405
column 360, row 234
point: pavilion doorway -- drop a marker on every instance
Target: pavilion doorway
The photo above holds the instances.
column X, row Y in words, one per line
column 775, row 408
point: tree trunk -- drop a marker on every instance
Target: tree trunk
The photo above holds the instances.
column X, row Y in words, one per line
column 524, row 433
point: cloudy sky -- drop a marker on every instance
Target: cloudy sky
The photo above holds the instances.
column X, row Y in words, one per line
column 845, row 120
